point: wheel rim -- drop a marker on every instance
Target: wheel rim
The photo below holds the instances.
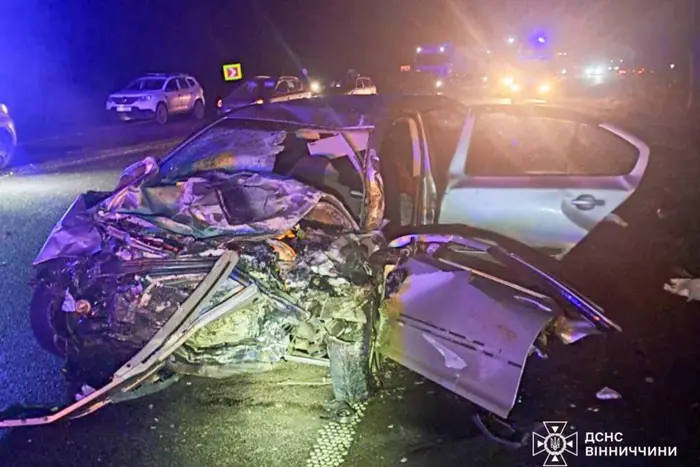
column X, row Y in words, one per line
column 161, row 114
column 198, row 110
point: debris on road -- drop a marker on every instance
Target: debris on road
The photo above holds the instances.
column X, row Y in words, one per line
column 683, row 287
column 608, row 394
column 501, row 431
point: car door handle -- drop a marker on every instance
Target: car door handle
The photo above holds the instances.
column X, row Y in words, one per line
column 587, row 202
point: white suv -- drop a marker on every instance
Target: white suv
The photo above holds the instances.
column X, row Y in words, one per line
column 8, row 137
column 158, row 96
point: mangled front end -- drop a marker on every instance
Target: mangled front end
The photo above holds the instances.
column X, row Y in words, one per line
column 278, row 267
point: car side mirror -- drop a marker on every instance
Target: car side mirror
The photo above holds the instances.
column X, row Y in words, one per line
column 137, row 172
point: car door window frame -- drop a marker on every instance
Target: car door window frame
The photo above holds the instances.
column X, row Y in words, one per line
column 285, row 88
column 175, row 83
column 458, row 176
column 562, row 152
column 419, row 162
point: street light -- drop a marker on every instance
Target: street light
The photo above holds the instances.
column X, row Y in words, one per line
column 511, row 40
column 541, row 40
column 419, row 49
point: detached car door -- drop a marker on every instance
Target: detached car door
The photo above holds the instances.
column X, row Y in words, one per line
column 544, row 179
column 468, row 316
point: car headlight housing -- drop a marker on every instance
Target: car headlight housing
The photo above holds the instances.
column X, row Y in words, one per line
column 144, row 98
column 315, row 87
column 544, row 88
column 438, row 84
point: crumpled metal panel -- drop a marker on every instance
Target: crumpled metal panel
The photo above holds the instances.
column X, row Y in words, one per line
column 320, row 268
column 241, row 205
column 259, row 333
column 73, row 235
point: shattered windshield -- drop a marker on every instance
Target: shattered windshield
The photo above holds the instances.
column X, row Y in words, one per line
column 229, row 145
column 263, row 147
column 146, row 85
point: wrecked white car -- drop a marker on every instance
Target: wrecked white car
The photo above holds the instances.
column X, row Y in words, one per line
column 338, row 232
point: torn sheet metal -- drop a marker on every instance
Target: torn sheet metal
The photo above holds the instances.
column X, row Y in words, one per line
column 74, row 234
column 684, row 287
column 241, row 204
column 463, row 332
column 315, row 274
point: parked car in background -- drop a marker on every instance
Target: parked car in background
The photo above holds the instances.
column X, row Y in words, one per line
column 353, row 86
column 264, row 89
column 336, row 231
column 158, row 96
column 8, row 136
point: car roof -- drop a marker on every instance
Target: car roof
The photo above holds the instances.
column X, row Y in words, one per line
column 343, row 111
column 334, row 112
column 275, row 77
column 166, row 75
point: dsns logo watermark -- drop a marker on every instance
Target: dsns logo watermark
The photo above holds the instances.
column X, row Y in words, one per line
column 555, row 444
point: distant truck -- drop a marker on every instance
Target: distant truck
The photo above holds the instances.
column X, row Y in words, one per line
column 443, row 60
column 450, row 67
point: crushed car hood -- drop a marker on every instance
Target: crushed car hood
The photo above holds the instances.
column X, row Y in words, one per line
column 243, row 204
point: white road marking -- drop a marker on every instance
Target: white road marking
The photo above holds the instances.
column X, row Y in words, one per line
column 334, row 440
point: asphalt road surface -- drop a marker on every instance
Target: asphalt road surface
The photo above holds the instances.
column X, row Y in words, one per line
column 275, row 419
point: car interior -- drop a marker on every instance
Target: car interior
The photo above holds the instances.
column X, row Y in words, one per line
column 332, row 173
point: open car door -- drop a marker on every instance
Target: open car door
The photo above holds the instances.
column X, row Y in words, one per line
column 540, row 175
column 469, row 314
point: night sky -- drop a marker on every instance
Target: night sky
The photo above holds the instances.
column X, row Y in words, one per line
column 59, row 59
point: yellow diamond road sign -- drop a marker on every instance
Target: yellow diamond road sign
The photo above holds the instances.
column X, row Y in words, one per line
column 232, row 72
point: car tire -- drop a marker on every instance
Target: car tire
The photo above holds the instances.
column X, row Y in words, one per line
column 198, row 109
column 41, row 312
column 6, row 149
column 161, row 114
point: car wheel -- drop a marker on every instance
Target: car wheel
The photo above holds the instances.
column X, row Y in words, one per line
column 41, row 311
column 198, row 110
column 6, row 148
column 161, row 114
